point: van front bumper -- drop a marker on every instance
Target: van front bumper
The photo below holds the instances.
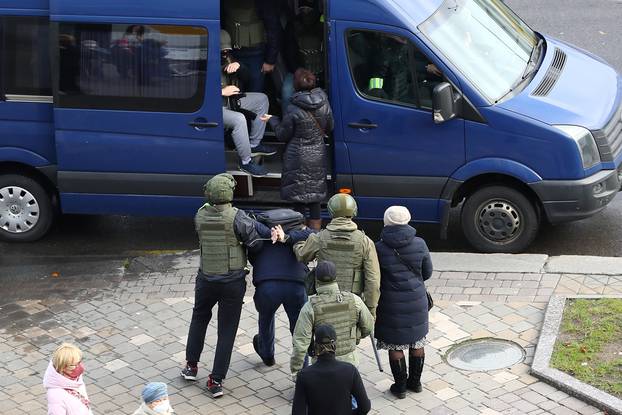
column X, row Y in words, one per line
column 569, row 200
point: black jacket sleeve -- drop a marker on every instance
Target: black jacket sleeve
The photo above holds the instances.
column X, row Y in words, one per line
column 270, row 13
column 291, row 49
column 360, row 394
column 244, row 228
column 299, row 407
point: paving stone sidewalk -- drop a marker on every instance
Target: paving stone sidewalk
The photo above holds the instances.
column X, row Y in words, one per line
column 133, row 330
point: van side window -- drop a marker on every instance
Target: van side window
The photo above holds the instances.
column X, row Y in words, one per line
column 131, row 67
column 25, row 56
column 387, row 67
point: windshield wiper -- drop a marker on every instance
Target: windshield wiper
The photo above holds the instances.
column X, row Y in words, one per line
column 533, row 58
column 531, row 66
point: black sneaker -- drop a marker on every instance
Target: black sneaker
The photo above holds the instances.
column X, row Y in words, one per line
column 253, row 169
column 268, row 361
column 263, row 150
column 189, row 372
column 215, row 387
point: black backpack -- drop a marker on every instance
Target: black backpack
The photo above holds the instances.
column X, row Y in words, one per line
column 287, row 218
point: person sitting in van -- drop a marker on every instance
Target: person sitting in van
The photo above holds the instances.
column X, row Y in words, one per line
column 256, row 30
column 304, row 45
column 238, row 106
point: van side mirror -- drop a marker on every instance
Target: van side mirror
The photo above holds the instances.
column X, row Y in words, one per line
column 443, row 103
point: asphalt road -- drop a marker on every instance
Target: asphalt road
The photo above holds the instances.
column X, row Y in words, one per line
column 590, row 24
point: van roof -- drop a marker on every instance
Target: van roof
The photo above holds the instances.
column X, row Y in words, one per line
column 408, row 13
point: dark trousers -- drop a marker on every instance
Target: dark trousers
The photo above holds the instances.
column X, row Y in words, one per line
column 229, row 296
column 253, row 60
column 315, row 210
column 269, row 295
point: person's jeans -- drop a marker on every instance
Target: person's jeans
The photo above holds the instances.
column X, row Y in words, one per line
column 287, row 91
column 269, row 295
column 252, row 59
column 236, row 121
column 229, row 296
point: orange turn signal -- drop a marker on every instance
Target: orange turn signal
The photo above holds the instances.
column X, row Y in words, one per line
column 345, row 190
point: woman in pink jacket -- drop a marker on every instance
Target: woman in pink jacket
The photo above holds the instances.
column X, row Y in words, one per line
column 63, row 381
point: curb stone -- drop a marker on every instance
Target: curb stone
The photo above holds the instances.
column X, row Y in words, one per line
column 540, row 367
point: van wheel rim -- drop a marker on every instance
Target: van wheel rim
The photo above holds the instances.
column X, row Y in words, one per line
column 499, row 221
column 19, row 210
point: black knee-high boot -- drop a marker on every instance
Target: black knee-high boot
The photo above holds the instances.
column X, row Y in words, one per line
column 414, row 373
column 400, row 374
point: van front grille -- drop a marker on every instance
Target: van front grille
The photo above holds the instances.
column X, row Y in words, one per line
column 552, row 74
column 609, row 138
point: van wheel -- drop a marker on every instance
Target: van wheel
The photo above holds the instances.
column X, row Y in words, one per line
column 499, row 219
column 25, row 209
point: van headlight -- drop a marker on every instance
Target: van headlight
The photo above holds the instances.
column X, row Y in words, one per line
column 585, row 142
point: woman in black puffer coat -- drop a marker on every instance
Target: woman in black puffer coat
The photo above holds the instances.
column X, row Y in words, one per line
column 308, row 120
column 402, row 314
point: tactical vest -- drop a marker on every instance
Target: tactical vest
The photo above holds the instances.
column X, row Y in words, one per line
column 311, row 47
column 345, row 250
column 221, row 252
column 244, row 24
column 338, row 310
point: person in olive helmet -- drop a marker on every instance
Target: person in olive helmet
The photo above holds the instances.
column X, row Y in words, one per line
column 225, row 235
column 353, row 253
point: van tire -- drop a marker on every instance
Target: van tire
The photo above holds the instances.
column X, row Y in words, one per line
column 28, row 204
column 499, row 219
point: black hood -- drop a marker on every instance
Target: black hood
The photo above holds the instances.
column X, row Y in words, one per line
column 398, row 236
column 310, row 100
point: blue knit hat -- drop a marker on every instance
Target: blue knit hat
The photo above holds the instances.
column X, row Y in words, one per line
column 154, row 391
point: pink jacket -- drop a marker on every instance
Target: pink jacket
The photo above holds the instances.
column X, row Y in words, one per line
column 61, row 402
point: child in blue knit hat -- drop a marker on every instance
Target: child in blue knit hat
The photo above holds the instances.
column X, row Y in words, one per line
column 155, row 400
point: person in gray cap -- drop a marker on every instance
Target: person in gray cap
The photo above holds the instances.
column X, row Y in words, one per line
column 345, row 311
column 329, row 386
column 225, row 235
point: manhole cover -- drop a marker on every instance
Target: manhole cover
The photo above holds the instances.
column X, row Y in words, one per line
column 485, row 354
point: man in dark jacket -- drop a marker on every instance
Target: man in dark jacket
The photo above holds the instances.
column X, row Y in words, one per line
column 402, row 318
column 225, row 234
column 328, row 386
column 278, row 277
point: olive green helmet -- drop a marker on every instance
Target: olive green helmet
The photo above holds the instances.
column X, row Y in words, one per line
column 219, row 189
column 342, row 205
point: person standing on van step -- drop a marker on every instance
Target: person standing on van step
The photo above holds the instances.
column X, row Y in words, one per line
column 278, row 277
column 349, row 248
column 256, row 30
column 304, row 129
column 237, row 107
column 225, row 234
column 344, row 311
column 328, row 386
column 303, row 45
column 402, row 322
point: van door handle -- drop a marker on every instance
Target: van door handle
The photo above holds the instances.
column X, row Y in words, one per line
column 201, row 125
column 363, row 126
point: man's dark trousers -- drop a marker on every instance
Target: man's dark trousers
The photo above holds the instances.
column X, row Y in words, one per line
column 269, row 295
column 230, row 297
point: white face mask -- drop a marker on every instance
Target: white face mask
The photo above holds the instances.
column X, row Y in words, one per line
column 164, row 408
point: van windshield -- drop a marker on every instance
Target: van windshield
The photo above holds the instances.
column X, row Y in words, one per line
column 485, row 40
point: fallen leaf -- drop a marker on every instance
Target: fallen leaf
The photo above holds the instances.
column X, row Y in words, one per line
column 55, row 274
column 583, row 349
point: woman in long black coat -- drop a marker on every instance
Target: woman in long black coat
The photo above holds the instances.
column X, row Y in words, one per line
column 402, row 314
column 308, row 121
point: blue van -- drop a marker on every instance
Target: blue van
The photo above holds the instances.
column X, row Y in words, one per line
column 472, row 109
